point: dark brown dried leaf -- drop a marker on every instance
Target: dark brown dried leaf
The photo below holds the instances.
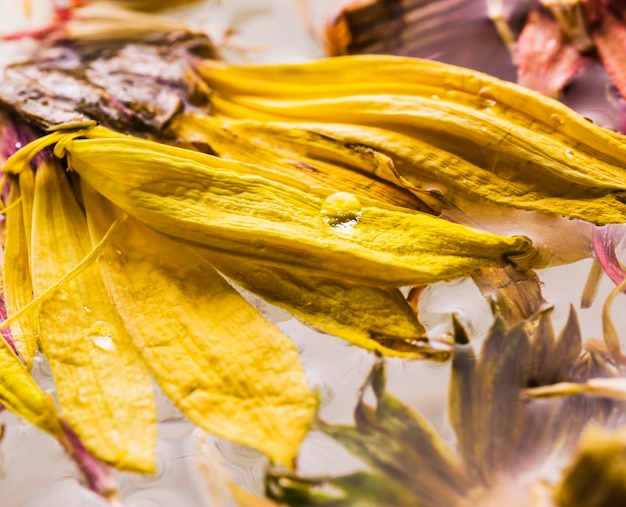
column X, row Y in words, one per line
column 139, row 86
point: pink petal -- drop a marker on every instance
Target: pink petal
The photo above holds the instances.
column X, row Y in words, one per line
column 547, row 62
column 605, row 240
column 610, row 40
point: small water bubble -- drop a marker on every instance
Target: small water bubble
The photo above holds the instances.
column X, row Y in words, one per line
column 486, row 97
column 18, row 145
column 556, row 120
column 100, row 334
column 341, row 210
column 569, row 153
column 121, row 256
column 87, row 309
column 83, row 395
column 103, row 342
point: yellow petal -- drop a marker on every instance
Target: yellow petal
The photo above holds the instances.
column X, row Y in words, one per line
column 237, row 208
column 301, row 151
column 103, row 386
column 229, row 370
column 18, row 289
column 374, row 318
column 21, row 395
column 475, row 136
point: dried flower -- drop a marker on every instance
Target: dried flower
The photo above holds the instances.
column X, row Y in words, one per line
column 508, row 449
column 321, row 197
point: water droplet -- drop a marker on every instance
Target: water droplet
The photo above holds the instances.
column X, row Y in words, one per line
column 569, row 153
column 486, row 97
column 121, row 256
column 341, row 210
column 556, row 120
column 87, row 309
column 18, row 145
column 100, row 334
column 82, row 395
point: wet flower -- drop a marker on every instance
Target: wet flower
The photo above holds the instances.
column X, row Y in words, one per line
column 100, row 332
column 116, row 293
column 509, row 449
column 150, row 176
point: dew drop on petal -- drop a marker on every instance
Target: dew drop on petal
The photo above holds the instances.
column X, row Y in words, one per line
column 83, row 395
column 100, row 334
column 569, row 153
column 486, row 97
column 556, row 120
column 104, row 343
column 341, row 210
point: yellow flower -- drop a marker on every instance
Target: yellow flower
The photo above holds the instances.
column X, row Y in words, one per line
column 149, row 308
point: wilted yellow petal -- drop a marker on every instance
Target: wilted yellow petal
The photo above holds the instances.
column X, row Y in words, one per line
column 21, row 395
column 233, row 207
column 614, row 388
column 229, row 370
column 611, row 337
column 374, row 318
column 18, row 289
column 464, row 133
column 302, row 151
column 27, row 194
column 103, row 386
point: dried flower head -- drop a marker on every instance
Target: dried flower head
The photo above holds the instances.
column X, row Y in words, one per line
column 510, row 449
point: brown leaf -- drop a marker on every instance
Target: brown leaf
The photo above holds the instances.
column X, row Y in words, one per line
column 453, row 31
column 515, row 291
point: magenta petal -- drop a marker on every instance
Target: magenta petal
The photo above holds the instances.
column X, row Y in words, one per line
column 96, row 475
column 604, row 241
column 5, row 331
column 547, row 62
